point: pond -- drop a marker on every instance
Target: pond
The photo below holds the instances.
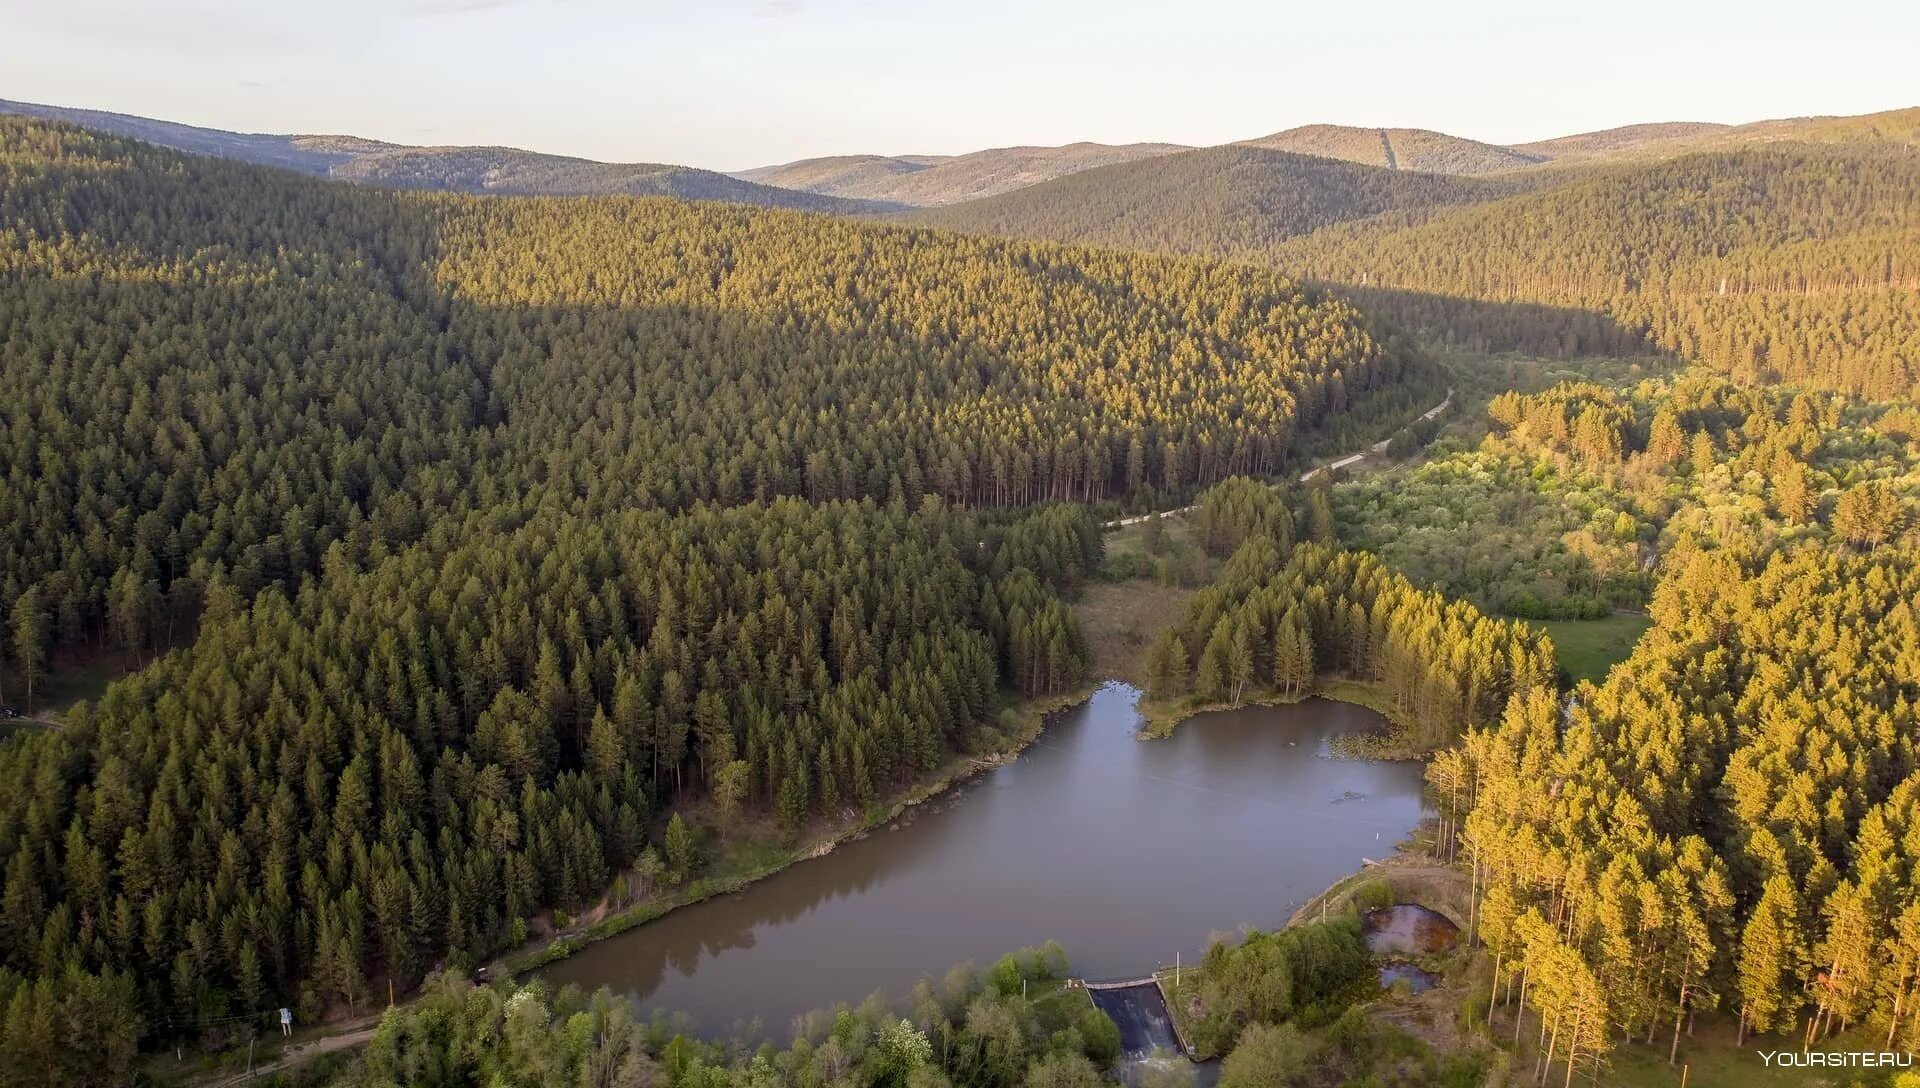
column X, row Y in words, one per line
column 1409, row 929
column 1418, row 980
column 1127, row 852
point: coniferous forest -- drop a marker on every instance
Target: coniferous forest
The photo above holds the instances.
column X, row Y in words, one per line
column 464, row 538
column 215, row 373
column 465, row 563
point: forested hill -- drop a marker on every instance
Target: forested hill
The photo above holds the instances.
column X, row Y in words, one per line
column 1234, row 201
column 929, row 180
column 481, row 533
column 1398, row 149
column 1799, row 262
column 1900, row 128
column 1796, row 263
column 213, row 372
column 458, row 169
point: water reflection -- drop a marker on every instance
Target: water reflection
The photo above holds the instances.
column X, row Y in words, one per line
column 1127, row 852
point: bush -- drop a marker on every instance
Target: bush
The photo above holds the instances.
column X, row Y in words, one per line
column 1269, row 1056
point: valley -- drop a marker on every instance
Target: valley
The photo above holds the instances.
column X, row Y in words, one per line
column 540, row 621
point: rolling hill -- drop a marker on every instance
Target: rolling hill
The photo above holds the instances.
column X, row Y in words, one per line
column 1438, row 152
column 1398, row 149
column 1625, row 140
column 1230, row 201
column 838, row 174
column 933, row 180
column 1792, row 262
column 1668, row 139
column 1787, row 251
column 457, row 169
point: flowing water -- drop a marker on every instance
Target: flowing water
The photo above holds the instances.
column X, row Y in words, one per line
column 1127, row 852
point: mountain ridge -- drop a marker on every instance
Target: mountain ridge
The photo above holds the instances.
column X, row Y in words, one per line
column 939, row 180
column 468, row 169
column 1232, row 200
column 1414, row 149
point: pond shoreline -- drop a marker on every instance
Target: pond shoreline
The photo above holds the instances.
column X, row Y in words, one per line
column 1063, row 840
column 1033, row 715
column 1163, row 717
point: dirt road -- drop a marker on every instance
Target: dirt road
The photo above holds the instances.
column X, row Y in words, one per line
column 1331, row 466
column 299, row 1055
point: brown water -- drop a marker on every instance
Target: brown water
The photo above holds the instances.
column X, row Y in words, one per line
column 1125, row 851
column 1406, row 928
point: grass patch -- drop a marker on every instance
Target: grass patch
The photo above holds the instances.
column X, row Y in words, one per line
column 1179, row 986
column 1175, row 558
column 1713, row 1060
column 71, row 681
column 1131, row 540
column 1406, row 877
column 1122, row 619
column 1588, row 649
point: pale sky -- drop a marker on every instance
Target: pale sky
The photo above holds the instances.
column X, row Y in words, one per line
column 729, row 84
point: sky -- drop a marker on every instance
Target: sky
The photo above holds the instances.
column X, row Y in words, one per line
column 730, row 84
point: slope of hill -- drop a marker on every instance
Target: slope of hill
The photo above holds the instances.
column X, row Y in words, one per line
column 1437, row 152
column 932, row 180
column 1665, row 140
column 286, row 152
column 1626, row 139
column 1232, row 200
column 523, row 173
column 835, row 175
column 459, row 169
column 1398, row 149
column 1791, row 263
column 683, row 351
column 1890, row 126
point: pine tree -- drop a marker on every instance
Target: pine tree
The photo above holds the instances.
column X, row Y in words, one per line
column 682, row 852
column 29, row 631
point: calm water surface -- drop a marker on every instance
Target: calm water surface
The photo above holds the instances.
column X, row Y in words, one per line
column 1125, row 851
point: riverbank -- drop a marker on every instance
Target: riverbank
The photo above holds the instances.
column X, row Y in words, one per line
column 1020, row 724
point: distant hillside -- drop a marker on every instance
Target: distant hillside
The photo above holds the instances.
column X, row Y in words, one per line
column 1618, row 141
column 933, row 180
column 525, row 173
column 1232, row 200
column 1665, row 140
column 1791, row 262
column 1437, row 152
column 286, row 152
column 459, row 169
column 1398, row 149
column 1890, row 126
column 837, row 174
